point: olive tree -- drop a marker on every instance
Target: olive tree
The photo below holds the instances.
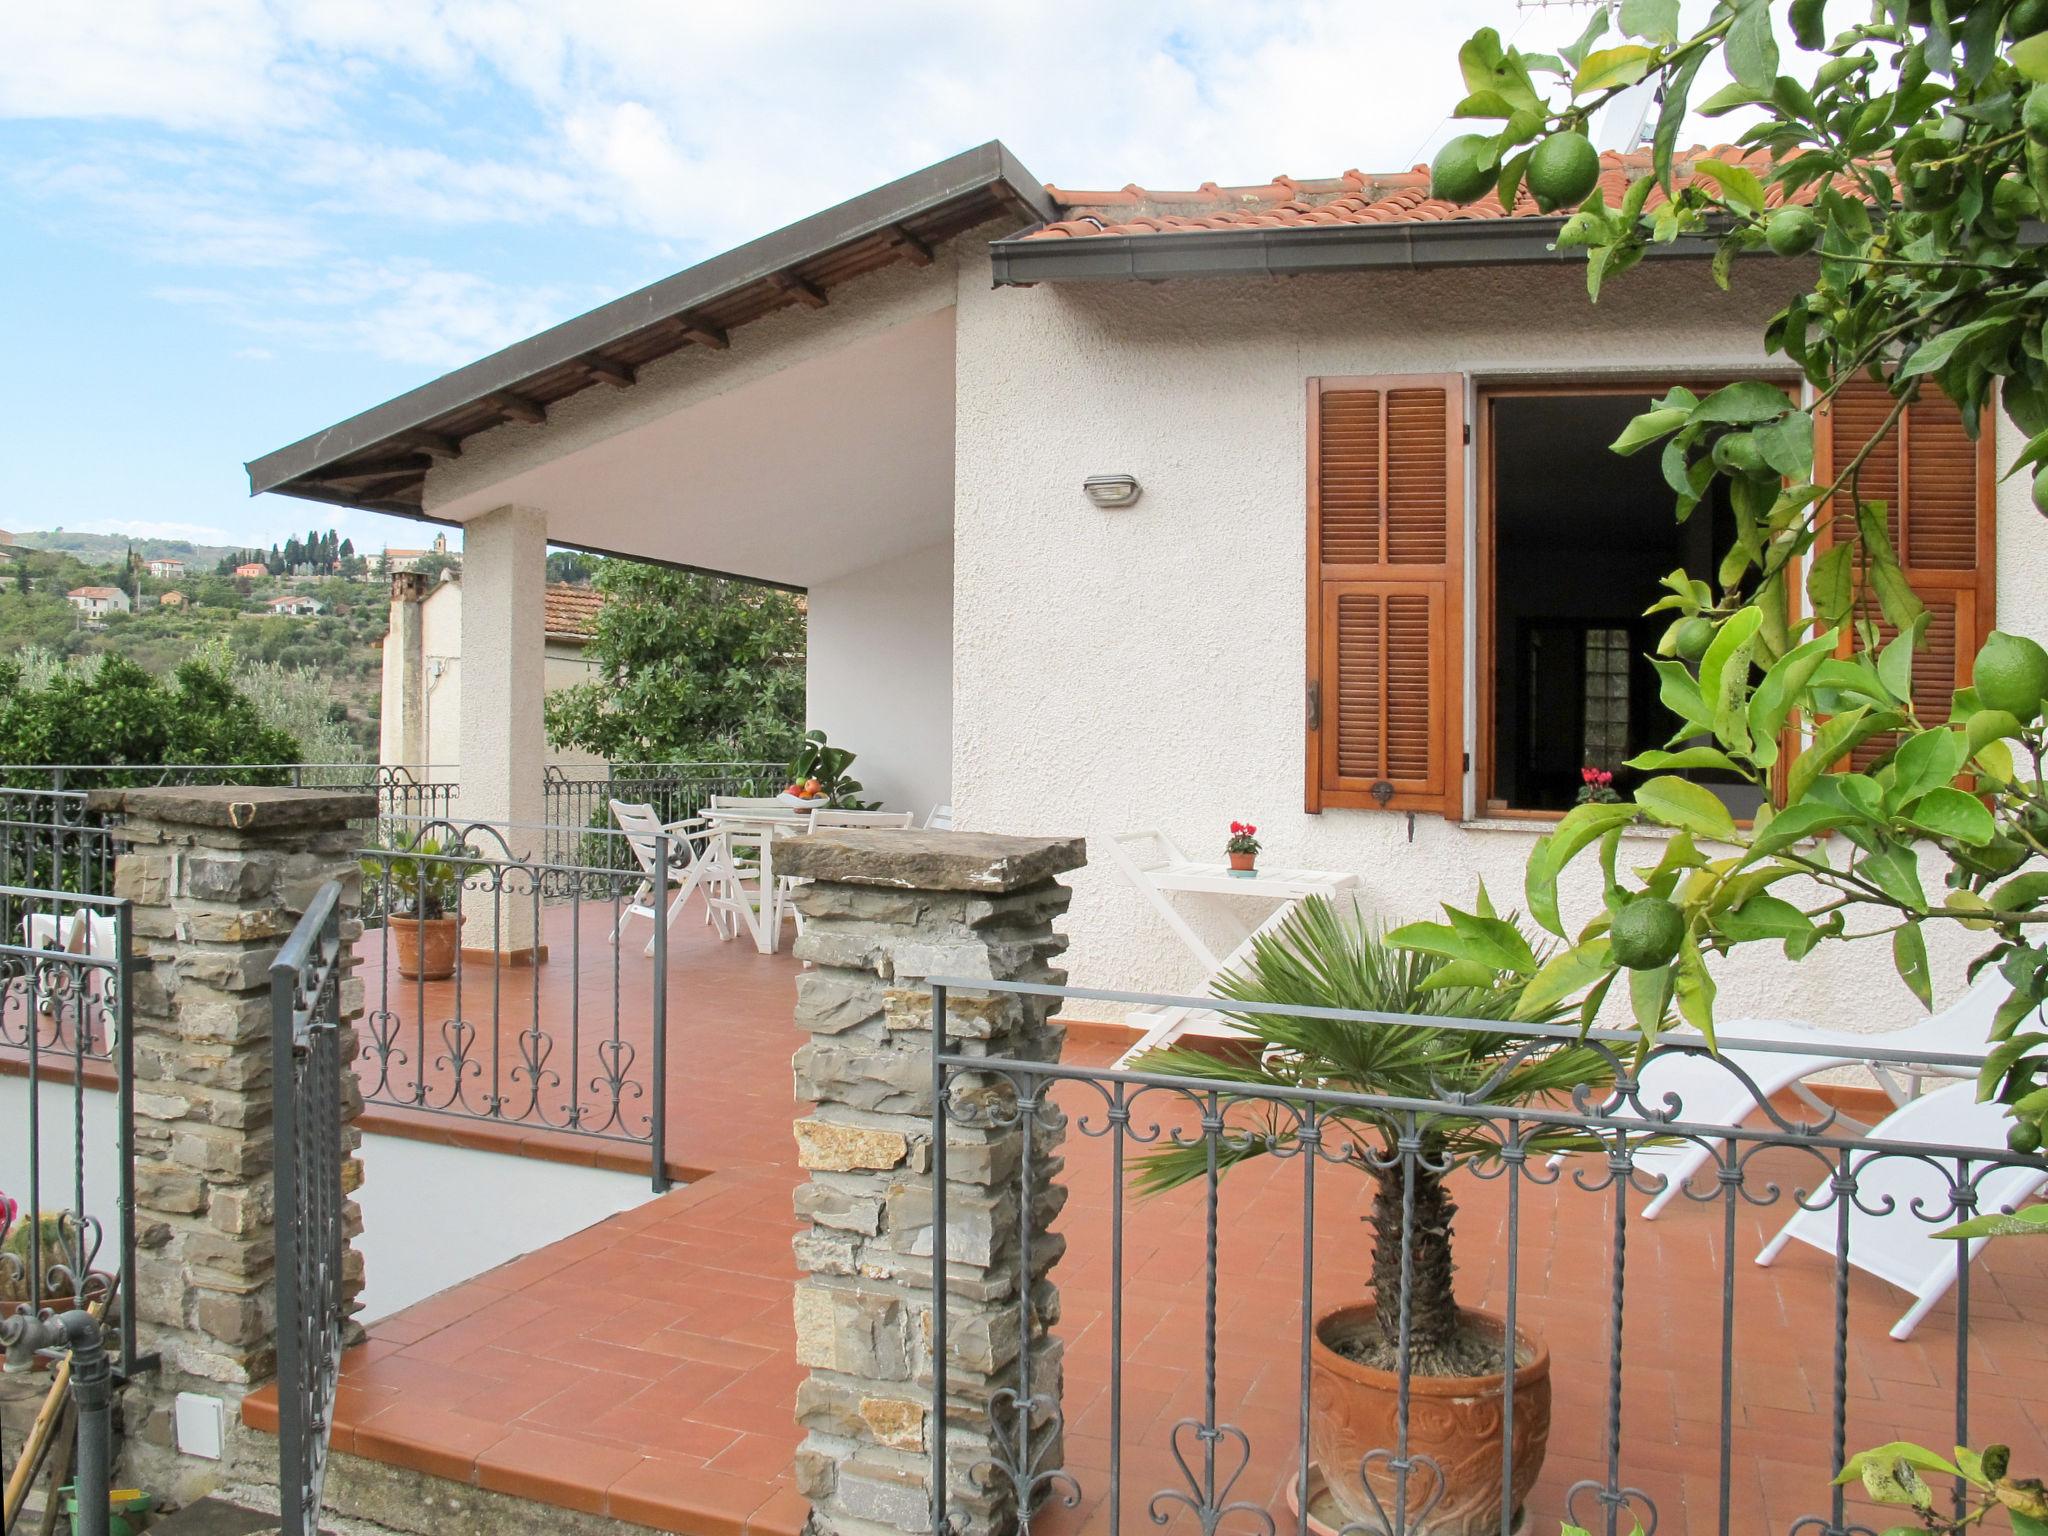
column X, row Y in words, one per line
column 1903, row 150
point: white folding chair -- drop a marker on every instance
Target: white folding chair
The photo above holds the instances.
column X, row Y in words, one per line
column 825, row 818
column 693, row 862
column 940, row 819
column 1911, row 1193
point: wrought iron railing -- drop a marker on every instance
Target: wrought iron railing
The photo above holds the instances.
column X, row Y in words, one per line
column 513, row 989
column 1190, row 1396
column 50, row 841
column 578, row 800
column 67, row 1222
column 306, row 1066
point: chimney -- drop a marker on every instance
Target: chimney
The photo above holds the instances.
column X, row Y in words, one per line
column 402, row 731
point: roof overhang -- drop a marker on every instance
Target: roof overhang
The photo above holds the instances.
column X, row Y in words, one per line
column 1258, row 251
column 378, row 460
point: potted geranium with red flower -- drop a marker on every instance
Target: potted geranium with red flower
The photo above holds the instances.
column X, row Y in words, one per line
column 1243, row 847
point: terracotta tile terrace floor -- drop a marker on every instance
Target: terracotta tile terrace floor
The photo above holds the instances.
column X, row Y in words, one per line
column 643, row 1368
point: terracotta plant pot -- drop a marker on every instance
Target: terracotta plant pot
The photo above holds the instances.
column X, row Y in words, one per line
column 1456, row 1421
column 426, row 946
column 1244, row 863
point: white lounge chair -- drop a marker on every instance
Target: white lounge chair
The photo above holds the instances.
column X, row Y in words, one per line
column 1710, row 1093
column 1915, row 1197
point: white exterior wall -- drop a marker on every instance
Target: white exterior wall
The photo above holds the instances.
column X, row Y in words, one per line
column 880, row 676
column 1144, row 668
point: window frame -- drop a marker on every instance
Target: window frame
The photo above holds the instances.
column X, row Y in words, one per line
column 1482, row 677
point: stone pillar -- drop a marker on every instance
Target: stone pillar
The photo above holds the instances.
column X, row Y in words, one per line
column 218, row 877
column 503, row 736
column 402, row 730
column 886, row 910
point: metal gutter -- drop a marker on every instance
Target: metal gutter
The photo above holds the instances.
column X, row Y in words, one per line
column 1290, row 252
column 986, row 167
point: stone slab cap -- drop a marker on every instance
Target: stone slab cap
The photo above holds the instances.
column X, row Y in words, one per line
column 237, row 807
column 913, row 859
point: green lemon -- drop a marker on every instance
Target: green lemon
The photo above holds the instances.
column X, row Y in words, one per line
column 1694, row 636
column 1456, row 175
column 2027, row 18
column 2013, row 199
column 2024, row 1137
column 1563, row 171
column 2041, row 490
column 2011, row 673
column 1646, row 934
column 2034, row 115
column 1792, row 231
column 1738, row 454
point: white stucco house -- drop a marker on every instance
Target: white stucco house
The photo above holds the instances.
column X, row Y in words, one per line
column 420, row 722
column 294, row 607
column 167, row 569
column 1379, row 590
column 97, row 602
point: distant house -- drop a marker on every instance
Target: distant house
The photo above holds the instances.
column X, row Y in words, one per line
column 252, row 569
column 171, row 600
column 96, row 601
column 422, row 712
column 297, row 606
column 167, row 570
column 395, row 560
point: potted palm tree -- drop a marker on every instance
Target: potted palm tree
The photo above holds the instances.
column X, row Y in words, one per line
column 1323, row 958
column 424, row 878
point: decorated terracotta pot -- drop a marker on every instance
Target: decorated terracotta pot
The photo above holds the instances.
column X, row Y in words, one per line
column 1455, row 1421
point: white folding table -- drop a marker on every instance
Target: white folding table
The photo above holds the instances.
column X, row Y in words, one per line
column 763, row 827
column 1164, row 871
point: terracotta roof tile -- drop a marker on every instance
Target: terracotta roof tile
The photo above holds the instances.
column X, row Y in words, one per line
column 1356, row 197
column 571, row 611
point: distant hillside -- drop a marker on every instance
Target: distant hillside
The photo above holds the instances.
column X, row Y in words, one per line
column 108, row 548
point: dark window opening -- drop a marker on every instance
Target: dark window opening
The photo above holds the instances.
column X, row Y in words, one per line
column 1582, row 538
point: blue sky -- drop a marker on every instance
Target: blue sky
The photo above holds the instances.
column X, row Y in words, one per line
column 225, row 224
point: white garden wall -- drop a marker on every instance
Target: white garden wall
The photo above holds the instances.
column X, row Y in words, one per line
column 1116, row 670
column 433, row 1216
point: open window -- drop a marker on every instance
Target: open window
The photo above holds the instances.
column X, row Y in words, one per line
column 1574, row 541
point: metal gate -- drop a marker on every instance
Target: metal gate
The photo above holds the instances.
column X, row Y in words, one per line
column 305, row 1001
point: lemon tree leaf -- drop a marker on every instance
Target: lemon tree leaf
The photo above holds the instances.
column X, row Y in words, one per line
column 1677, row 802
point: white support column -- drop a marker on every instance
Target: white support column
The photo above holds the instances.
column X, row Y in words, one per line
column 504, row 742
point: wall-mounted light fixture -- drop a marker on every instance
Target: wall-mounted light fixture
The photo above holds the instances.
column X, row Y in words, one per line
column 1110, row 491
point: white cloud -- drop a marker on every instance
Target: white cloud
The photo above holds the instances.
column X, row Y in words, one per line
column 283, row 132
column 403, row 311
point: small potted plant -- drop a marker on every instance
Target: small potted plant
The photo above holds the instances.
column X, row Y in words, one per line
column 1596, row 787
column 425, row 880
column 1243, row 848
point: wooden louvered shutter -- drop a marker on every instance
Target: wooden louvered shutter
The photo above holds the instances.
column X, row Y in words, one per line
column 1386, row 558
column 1939, row 486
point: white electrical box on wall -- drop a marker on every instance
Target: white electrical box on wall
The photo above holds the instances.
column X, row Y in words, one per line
column 201, row 1424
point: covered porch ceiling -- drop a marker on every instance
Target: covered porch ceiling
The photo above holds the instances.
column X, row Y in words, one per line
column 834, row 463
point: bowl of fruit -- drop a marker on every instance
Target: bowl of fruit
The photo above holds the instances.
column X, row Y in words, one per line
column 805, row 795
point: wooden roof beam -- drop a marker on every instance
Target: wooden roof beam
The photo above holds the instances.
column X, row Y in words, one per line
column 808, row 294
column 618, row 375
column 435, row 445
column 909, row 247
column 702, row 332
column 378, row 469
column 518, row 408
